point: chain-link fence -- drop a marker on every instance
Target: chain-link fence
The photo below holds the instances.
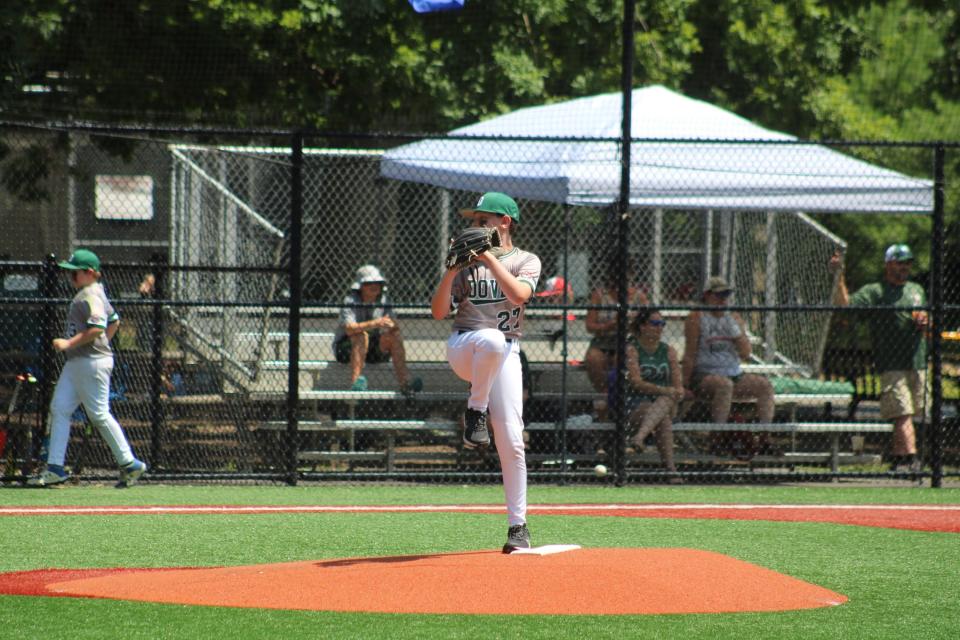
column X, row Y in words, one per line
column 231, row 265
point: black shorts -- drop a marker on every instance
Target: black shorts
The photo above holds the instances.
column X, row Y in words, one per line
column 374, row 354
column 698, row 377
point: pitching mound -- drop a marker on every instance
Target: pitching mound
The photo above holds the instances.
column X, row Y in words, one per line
column 582, row 581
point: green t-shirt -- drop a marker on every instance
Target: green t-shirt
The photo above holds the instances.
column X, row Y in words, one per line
column 898, row 345
column 654, row 367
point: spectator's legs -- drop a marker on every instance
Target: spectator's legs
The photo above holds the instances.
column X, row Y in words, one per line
column 392, row 342
column 902, row 397
column 650, row 415
column 598, row 363
column 719, row 389
column 754, row 386
column 359, row 343
column 665, row 443
column 904, row 437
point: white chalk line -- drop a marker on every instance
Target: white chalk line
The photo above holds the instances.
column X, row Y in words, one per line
column 541, row 508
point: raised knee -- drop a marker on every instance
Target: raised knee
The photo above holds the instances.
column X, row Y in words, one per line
column 359, row 339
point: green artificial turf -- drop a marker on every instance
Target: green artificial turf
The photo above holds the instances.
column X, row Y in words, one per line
column 901, row 584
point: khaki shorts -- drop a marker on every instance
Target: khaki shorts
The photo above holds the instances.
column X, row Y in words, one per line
column 902, row 393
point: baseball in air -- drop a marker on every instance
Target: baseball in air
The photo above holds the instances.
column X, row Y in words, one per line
column 600, row 470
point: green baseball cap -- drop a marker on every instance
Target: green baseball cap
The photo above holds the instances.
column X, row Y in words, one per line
column 81, row 260
column 495, row 202
column 898, row 253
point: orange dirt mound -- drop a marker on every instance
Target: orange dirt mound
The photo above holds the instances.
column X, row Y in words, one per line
column 584, row 581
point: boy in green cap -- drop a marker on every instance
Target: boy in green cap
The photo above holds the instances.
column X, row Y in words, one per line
column 488, row 299
column 85, row 379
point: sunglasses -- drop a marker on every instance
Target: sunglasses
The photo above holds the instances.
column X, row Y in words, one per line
column 656, row 323
column 722, row 294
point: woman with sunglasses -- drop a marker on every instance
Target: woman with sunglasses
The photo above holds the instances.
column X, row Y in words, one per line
column 655, row 385
column 716, row 342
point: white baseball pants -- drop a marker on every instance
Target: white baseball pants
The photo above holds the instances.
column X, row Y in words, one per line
column 85, row 381
column 491, row 365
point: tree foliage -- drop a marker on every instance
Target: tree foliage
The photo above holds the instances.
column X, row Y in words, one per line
column 838, row 69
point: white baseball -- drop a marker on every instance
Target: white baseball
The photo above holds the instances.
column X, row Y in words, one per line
column 600, row 470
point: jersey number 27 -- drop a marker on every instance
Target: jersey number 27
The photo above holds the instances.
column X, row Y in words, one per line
column 504, row 320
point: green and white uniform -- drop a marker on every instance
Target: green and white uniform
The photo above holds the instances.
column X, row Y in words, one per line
column 484, row 350
column 85, row 378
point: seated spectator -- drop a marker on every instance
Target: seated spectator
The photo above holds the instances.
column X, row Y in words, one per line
column 370, row 333
column 171, row 378
column 716, row 342
column 655, row 386
column 602, row 350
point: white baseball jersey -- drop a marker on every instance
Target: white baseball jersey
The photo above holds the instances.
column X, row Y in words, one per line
column 90, row 308
column 479, row 302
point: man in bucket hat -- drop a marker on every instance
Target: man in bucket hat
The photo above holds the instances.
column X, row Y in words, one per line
column 899, row 345
column 368, row 332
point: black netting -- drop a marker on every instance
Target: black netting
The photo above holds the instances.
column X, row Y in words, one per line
column 197, row 247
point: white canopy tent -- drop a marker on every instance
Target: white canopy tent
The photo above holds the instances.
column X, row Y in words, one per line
column 686, row 155
column 679, row 160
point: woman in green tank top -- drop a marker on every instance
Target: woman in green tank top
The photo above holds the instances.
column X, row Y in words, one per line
column 655, row 386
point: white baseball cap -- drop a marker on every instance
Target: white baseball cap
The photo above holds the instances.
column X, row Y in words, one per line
column 367, row 274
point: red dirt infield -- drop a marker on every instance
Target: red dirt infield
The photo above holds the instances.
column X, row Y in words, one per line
column 584, row 581
column 602, row 581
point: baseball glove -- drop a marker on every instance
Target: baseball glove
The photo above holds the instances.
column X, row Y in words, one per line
column 469, row 244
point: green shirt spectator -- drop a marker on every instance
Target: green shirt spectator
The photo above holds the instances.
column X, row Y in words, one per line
column 898, row 345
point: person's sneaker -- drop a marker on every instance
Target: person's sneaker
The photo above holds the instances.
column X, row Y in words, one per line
column 475, row 432
column 412, row 387
column 360, row 384
column 130, row 474
column 47, row 477
column 518, row 537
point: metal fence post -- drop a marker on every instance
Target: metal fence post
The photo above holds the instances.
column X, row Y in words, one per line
column 156, row 362
column 293, row 355
column 48, row 318
column 623, row 232
column 936, row 294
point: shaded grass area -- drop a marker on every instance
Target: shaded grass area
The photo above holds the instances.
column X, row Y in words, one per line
column 901, row 584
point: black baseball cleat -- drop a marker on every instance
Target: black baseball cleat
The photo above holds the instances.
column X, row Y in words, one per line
column 518, row 537
column 475, row 434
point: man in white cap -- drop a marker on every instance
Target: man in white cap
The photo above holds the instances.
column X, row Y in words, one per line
column 899, row 345
column 368, row 332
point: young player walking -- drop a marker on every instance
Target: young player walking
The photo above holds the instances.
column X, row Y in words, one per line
column 85, row 379
column 488, row 299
